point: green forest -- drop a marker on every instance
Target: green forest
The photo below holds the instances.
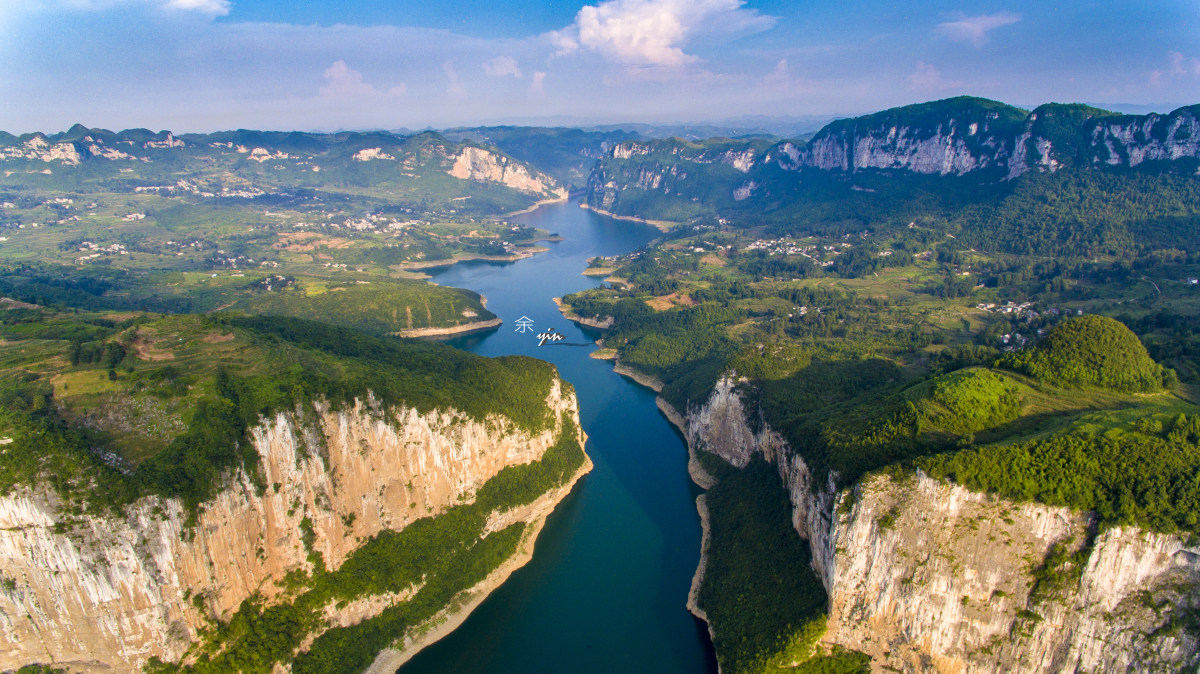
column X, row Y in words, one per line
column 220, row 387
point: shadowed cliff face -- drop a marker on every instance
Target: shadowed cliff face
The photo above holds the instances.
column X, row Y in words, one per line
column 924, row 575
column 103, row 594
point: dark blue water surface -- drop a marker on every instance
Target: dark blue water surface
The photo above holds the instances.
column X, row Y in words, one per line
column 606, row 588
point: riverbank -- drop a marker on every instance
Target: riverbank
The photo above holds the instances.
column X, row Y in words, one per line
column 537, row 205
column 663, row 225
column 704, row 480
column 693, row 600
column 572, row 316
column 415, row 269
column 465, row 602
column 649, row 381
column 455, row 330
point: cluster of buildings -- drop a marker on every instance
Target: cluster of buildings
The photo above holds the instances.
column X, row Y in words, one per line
column 95, row 250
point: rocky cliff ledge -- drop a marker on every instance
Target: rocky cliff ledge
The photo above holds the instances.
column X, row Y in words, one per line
column 926, row 576
column 93, row 593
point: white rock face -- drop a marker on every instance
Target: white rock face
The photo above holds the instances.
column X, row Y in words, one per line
column 1152, row 138
column 927, row 572
column 943, row 152
column 742, row 161
column 367, row 154
column 168, row 142
column 924, row 575
column 106, row 152
column 106, row 594
column 475, row 163
column 629, row 150
column 40, row 149
column 745, row 191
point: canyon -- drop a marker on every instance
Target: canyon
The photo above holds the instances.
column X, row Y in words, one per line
column 95, row 592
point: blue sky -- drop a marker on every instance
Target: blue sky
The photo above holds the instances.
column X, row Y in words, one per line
column 203, row 65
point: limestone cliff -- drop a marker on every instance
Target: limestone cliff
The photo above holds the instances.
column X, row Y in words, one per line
column 950, row 147
column 95, row 593
column 923, row 575
column 961, row 136
column 475, row 163
column 40, row 149
column 1131, row 140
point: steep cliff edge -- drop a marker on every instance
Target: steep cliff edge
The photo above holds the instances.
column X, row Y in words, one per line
column 93, row 593
column 925, row 575
column 478, row 164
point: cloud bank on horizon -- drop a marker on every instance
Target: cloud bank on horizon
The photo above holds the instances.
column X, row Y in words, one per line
column 202, row 65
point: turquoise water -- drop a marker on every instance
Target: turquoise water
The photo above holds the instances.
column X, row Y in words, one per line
column 606, row 588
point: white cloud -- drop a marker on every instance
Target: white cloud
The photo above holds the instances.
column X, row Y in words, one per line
column 928, row 78
column 975, row 29
column 782, row 79
column 1183, row 66
column 215, row 7
column 1179, row 69
column 503, row 66
column 342, row 81
column 537, row 84
column 654, row 32
column 455, row 88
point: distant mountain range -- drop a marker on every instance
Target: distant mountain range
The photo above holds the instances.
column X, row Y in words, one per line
column 986, row 141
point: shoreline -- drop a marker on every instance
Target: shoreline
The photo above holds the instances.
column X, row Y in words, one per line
column 649, row 381
column 416, row 268
column 449, row 331
column 661, row 225
column 702, row 479
column 537, row 205
column 693, row 600
column 576, row 318
column 465, row 602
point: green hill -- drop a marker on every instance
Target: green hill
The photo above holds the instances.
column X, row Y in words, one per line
column 1090, row 351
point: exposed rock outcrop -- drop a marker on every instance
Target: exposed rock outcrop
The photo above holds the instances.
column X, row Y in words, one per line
column 475, row 163
column 954, row 137
column 924, row 575
column 107, row 593
column 1130, row 140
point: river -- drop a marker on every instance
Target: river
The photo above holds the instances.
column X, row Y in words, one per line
column 606, row 588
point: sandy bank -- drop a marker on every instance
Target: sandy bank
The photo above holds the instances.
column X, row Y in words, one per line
column 664, row 225
column 537, row 205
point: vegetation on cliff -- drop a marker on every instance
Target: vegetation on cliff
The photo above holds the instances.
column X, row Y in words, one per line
column 435, row 558
column 1143, row 476
column 111, row 407
column 763, row 602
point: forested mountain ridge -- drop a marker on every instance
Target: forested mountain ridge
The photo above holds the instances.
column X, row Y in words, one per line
column 273, row 159
column 882, row 155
